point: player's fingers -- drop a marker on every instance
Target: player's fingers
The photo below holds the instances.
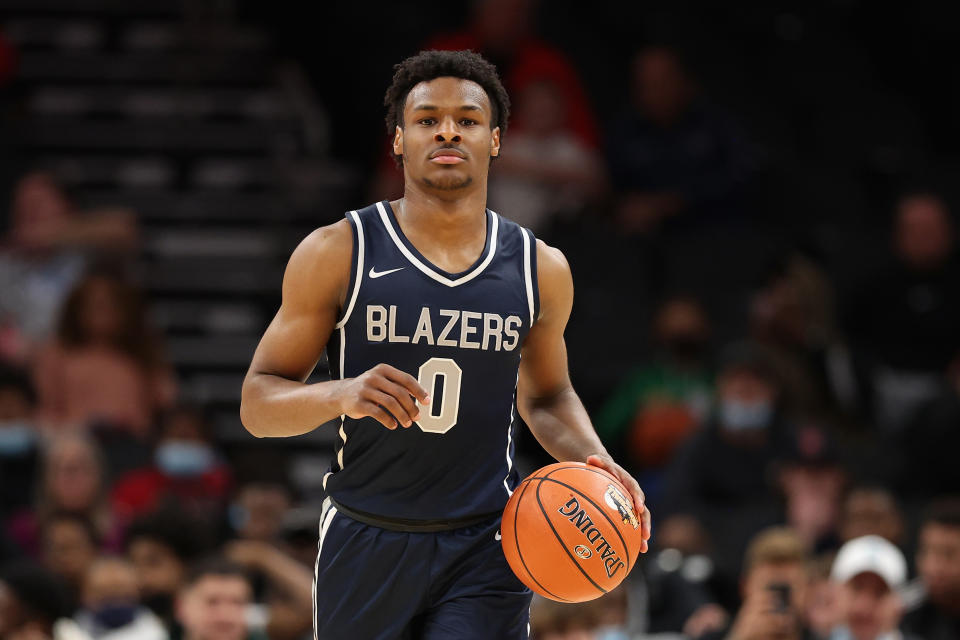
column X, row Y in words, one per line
column 390, row 403
column 408, row 382
column 409, row 405
column 646, row 524
column 377, row 412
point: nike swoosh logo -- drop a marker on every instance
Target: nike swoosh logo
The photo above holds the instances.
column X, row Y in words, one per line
column 497, row 536
column 376, row 274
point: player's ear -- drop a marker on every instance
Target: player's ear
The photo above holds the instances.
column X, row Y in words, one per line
column 398, row 142
column 495, row 147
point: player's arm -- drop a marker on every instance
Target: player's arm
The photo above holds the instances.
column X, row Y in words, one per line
column 545, row 397
column 275, row 401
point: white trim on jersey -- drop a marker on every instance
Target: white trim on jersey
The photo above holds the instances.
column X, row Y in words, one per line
column 325, row 520
column 527, row 276
column 506, row 478
column 494, row 223
column 356, row 284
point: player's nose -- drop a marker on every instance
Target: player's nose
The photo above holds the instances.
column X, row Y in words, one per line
column 447, row 131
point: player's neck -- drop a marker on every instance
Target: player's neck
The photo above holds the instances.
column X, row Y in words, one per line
column 448, row 220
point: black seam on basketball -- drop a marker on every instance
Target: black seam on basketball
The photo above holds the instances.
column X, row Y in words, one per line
column 605, row 474
column 560, row 540
column 516, row 540
column 616, row 529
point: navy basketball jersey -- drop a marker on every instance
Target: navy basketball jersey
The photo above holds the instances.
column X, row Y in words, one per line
column 460, row 335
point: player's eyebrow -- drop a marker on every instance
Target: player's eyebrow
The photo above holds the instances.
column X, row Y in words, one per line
column 430, row 107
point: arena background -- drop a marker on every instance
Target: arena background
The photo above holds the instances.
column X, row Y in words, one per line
column 743, row 191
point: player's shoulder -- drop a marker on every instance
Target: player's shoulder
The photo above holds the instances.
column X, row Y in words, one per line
column 551, row 263
column 324, row 244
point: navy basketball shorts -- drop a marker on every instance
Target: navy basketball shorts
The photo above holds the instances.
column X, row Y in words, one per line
column 377, row 584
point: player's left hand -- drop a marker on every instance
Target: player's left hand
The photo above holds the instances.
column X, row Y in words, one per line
column 606, row 463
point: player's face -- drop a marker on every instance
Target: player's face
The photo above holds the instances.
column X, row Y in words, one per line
column 447, row 140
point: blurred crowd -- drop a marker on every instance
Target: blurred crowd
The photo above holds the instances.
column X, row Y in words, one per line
column 801, row 469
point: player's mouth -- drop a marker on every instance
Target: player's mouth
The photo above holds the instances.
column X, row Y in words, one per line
column 447, row 156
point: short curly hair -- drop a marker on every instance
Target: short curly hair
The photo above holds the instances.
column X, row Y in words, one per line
column 428, row 65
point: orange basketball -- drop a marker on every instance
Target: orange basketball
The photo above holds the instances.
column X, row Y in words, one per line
column 569, row 532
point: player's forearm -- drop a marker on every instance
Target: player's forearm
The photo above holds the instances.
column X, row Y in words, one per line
column 272, row 406
column 561, row 425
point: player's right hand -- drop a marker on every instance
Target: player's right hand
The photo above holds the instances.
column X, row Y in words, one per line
column 383, row 393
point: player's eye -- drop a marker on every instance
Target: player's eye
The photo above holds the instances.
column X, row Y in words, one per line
column 426, row 121
column 468, row 122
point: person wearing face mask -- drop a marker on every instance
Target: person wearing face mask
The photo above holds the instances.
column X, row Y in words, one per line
column 185, row 468
column 722, row 474
column 19, row 440
column 111, row 604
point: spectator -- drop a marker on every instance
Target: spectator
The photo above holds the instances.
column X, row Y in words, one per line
column 813, row 480
column 73, row 481
column 722, row 474
column 792, row 316
column 674, row 159
column 160, row 546
column 105, row 365
column 548, row 173
column 70, row 547
column 904, row 316
column 44, row 255
column 212, row 605
column 938, row 563
column 868, row 571
column 658, row 405
column 774, row 589
column 32, row 603
column 186, row 469
column 501, row 31
column 111, row 604
column 822, row 613
column 289, row 586
column 19, row 441
column 923, row 470
column 871, row 510
column 551, row 620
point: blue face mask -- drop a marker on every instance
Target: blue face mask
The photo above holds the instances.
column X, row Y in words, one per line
column 611, row 633
column 183, row 458
column 114, row 615
column 17, row 438
column 743, row 416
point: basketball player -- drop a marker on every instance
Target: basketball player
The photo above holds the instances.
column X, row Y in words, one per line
column 425, row 306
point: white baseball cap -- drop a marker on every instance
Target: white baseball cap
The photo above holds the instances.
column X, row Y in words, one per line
column 870, row 554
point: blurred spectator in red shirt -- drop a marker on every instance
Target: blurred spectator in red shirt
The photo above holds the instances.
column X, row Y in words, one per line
column 548, row 173
column 903, row 318
column 73, row 481
column 502, row 31
column 186, row 469
column 673, row 157
column 44, row 254
column 105, row 366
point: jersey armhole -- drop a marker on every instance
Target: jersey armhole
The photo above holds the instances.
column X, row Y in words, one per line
column 356, row 268
column 530, row 274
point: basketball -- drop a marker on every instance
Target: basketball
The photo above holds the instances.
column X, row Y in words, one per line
column 569, row 532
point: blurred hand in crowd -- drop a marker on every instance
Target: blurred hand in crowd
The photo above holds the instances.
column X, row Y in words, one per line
column 763, row 617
